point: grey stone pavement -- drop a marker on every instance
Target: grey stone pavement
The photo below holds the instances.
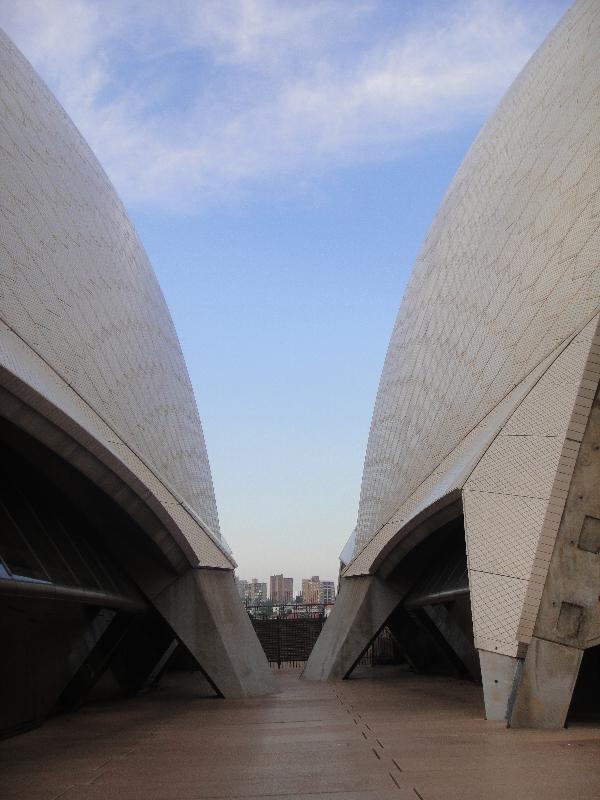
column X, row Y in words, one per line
column 389, row 736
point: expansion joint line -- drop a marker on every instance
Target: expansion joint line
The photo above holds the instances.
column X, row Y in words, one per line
column 388, row 762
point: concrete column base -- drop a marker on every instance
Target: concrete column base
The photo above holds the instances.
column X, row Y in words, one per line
column 204, row 611
column 498, row 676
column 546, row 686
column 363, row 605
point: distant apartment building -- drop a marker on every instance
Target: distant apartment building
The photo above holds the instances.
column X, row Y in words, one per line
column 327, row 595
column 311, row 590
column 288, row 590
column 252, row 591
column 242, row 587
column 282, row 589
column 257, row 591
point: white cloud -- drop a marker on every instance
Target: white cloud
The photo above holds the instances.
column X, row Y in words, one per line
column 188, row 106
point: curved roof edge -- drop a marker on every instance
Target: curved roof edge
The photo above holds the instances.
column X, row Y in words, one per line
column 29, row 377
column 79, row 289
column 508, row 271
column 454, row 471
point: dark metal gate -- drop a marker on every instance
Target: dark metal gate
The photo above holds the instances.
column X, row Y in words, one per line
column 287, row 633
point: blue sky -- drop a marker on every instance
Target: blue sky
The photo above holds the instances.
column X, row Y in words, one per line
column 282, row 162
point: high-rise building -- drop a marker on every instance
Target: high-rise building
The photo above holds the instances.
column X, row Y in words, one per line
column 288, row 590
column 242, row 588
column 311, row 590
column 257, row 591
column 282, row 589
column 327, row 595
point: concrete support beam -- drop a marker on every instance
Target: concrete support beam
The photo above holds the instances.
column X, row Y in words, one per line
column 141, row 651
column 363, row 605
column 455, row 638
column 497, row 676
column 106, row 638
column 420, row 650
column 43, row 646
column 569, row 603
column 159, row 667
column 204, row 611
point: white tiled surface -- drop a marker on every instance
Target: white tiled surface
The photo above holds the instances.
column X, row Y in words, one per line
column 77, row 290
column 510, row 269
column 504, row 297
column 513, row 500
column 505, row 532
column 454, row 470
column 499, row 599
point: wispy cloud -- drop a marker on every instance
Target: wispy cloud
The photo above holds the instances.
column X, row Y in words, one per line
column 194, row 103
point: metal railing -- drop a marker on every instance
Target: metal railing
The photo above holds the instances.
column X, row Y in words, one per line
column 287, row 631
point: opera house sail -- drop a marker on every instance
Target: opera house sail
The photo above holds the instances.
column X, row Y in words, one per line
column 478, row 533
column 111, row 559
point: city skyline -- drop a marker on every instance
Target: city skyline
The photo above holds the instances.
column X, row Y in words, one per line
column 280, row 589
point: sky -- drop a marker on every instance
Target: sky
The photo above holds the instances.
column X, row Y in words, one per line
column 282, row 161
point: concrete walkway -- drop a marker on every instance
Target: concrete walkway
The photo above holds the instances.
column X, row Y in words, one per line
column 391, row 736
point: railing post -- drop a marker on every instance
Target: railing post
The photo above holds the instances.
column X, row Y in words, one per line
column 278, row 641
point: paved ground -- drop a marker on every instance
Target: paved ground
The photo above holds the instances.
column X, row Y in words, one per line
column 394, row 736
